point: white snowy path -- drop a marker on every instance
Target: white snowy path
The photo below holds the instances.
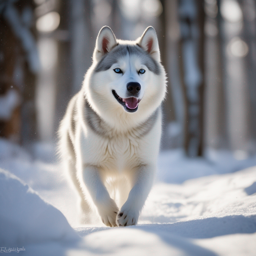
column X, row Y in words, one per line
column 196, row 207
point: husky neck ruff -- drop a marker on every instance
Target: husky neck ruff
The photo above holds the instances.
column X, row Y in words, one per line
column 99, row 126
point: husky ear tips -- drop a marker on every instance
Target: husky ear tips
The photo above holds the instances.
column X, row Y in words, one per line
column 106, row 32
column 149, row 31
column 105, row 28
column 150, row 28
column 105, row 41
column 149, row 42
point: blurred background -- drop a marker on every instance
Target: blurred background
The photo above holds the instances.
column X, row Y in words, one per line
column 208, row 49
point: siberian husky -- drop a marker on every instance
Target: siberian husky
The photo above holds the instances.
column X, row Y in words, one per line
column 109, row 138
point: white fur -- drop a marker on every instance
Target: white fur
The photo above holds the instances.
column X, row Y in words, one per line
column 114, row 173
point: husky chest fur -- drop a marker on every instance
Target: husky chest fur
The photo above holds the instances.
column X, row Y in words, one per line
column 111, row 131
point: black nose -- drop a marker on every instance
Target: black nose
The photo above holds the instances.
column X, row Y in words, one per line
column 133, row 88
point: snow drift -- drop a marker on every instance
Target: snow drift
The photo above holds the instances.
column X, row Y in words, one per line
column 25, row 218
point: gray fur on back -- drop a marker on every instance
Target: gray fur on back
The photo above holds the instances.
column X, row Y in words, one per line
column 122, row 50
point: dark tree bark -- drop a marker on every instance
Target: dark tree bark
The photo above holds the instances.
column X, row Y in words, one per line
column 201, row 64
column 18, row 67
column 192, row 74
column 9, row 127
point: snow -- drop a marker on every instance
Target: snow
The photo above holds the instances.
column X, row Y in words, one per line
column 24, row 213
column 10, row 101
column 196, row 207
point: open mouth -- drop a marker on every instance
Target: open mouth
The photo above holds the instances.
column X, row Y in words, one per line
column 130, row 104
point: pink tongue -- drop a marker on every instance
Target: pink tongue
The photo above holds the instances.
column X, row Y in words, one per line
column 131, row 103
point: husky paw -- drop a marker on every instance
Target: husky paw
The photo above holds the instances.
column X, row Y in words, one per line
column 108, row 214
column 127, row 217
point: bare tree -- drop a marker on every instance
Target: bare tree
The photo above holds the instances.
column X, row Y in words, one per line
column 215, row 114
column 74, row 50
column 249, row 36
column 19, row 65
column 192, row 74
column 168, row 104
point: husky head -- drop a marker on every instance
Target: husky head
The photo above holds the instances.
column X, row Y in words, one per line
column 126, row 78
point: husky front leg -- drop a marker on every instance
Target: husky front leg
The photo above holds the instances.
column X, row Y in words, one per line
column 84, row 206
column 142, row 180
column 106, row 206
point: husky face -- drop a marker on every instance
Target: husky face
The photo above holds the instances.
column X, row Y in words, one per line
column 128, row 70
column 127, row 75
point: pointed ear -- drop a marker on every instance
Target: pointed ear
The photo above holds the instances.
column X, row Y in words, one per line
column 149, row 42
column 105, row 42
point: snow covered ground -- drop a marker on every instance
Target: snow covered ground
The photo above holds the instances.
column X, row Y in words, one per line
column 196, row 207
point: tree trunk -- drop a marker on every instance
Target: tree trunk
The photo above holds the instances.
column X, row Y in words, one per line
column 163, row 43
column 19, row 66
column 192, row 52
column 249, row 35
column 201, row 64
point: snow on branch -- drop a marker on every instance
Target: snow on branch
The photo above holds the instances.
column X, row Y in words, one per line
column 8, row 103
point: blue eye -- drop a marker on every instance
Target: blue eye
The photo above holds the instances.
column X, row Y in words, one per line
column 118, row 70
column 142, row 71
